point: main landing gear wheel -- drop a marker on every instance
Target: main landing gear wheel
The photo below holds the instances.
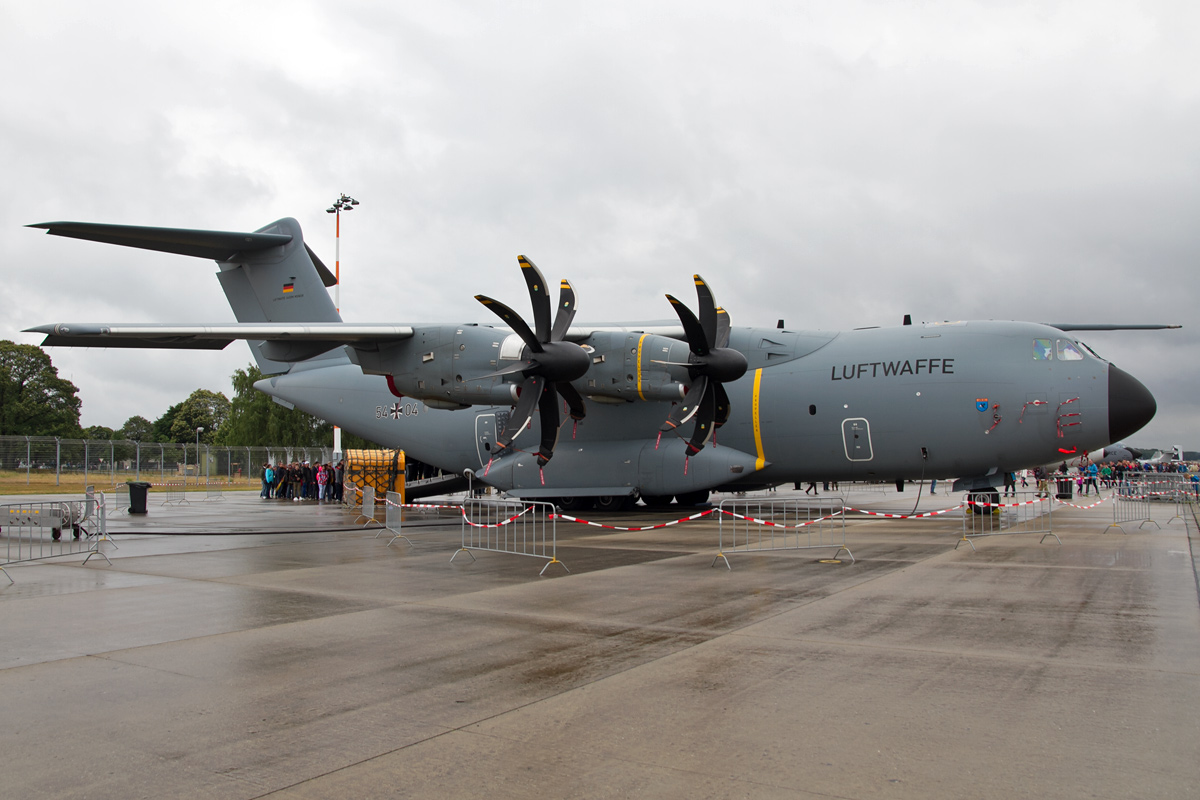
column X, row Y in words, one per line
column 692, row 498
column 574, row 503
column 656, row 500
column 609, row 503
column 983, row 502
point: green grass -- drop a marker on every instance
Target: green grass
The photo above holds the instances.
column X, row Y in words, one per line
column 73, row 483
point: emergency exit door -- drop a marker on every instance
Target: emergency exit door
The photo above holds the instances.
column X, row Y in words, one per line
column 856, row 436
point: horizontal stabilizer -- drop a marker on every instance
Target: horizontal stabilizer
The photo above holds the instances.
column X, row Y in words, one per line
column 217, row 245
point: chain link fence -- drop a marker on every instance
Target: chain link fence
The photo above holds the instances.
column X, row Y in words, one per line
column 48, row 460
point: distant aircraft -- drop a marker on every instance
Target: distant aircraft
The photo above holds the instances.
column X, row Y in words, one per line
column 650, row 410
column 1118, row 452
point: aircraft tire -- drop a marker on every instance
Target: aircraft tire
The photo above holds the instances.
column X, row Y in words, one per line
column 574, row 503
column 989, row 496
column 692, row 498
column 656, row 500
column 609, row 503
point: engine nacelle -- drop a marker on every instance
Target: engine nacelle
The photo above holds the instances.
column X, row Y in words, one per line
column 443, row 365
column 628, row 367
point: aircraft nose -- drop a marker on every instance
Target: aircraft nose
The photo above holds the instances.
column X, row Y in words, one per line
column 1130, row 404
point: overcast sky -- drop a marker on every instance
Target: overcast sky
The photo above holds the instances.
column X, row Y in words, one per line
column 836, row 165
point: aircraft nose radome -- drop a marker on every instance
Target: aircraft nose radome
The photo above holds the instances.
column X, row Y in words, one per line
column 1130, row 404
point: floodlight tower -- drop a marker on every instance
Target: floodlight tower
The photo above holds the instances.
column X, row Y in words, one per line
column 344, row 202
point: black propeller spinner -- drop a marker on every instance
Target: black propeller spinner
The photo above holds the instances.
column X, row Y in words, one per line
column 710, row 364
column 547, row 363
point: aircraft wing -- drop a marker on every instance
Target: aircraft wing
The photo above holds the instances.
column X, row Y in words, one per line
column 216, row 337
column 577, row 333
column 1088, row 326
column 219, row 335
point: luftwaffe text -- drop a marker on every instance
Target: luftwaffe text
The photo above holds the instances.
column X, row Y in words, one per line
column 888, row 369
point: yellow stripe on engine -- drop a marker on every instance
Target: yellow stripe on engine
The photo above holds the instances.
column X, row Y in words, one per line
column 639, row 365
column 758, row 445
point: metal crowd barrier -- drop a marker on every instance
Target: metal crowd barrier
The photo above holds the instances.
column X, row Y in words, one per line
column 514, row 527
column 120, row 494
column 393, row 518
column 350, row 495
column 214, row 491
column 34, row 531
column 760, row 525
column 368, row 506
column 1026, row 512
column 175, row 493
column 1131, row 502
column 1161, row 486
column 1176, row 488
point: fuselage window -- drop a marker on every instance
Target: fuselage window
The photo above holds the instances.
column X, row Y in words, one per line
column 1043, row 350
column 1067, row 351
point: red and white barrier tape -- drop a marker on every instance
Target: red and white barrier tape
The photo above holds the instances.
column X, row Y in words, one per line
column 1073, row 505
column 643, row 528
column 905, row 516
column 984, row 504
column 508, row 521
column 771, row 524
column 418, row 505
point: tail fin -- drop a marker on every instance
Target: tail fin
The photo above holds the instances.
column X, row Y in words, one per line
column 270, row 275
column 285, row 283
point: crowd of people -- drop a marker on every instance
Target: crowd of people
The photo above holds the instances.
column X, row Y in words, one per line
column 301, row 480
column 1088, row 475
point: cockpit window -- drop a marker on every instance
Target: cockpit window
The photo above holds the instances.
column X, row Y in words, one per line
column 1067, row 351
column 1043, row 350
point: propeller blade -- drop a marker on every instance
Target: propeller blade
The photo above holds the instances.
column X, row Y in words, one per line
column 704, row 421
column 573, row 398
column 721, row 405
column 692, row 329
column 722, row 339
column 708, row 311
column 566, row 311
column 548, row 408
column 687, row 409
column 531, row 392
column 520, row 366
column 711, row 363
column 539, row 295
column 513, row 320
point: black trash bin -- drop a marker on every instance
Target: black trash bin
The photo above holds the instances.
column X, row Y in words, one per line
column 137, row 496
column 1066, row 488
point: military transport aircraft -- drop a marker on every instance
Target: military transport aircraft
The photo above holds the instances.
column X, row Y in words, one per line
column 654, row 410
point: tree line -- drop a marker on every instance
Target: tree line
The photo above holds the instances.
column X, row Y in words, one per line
column 35, row 401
